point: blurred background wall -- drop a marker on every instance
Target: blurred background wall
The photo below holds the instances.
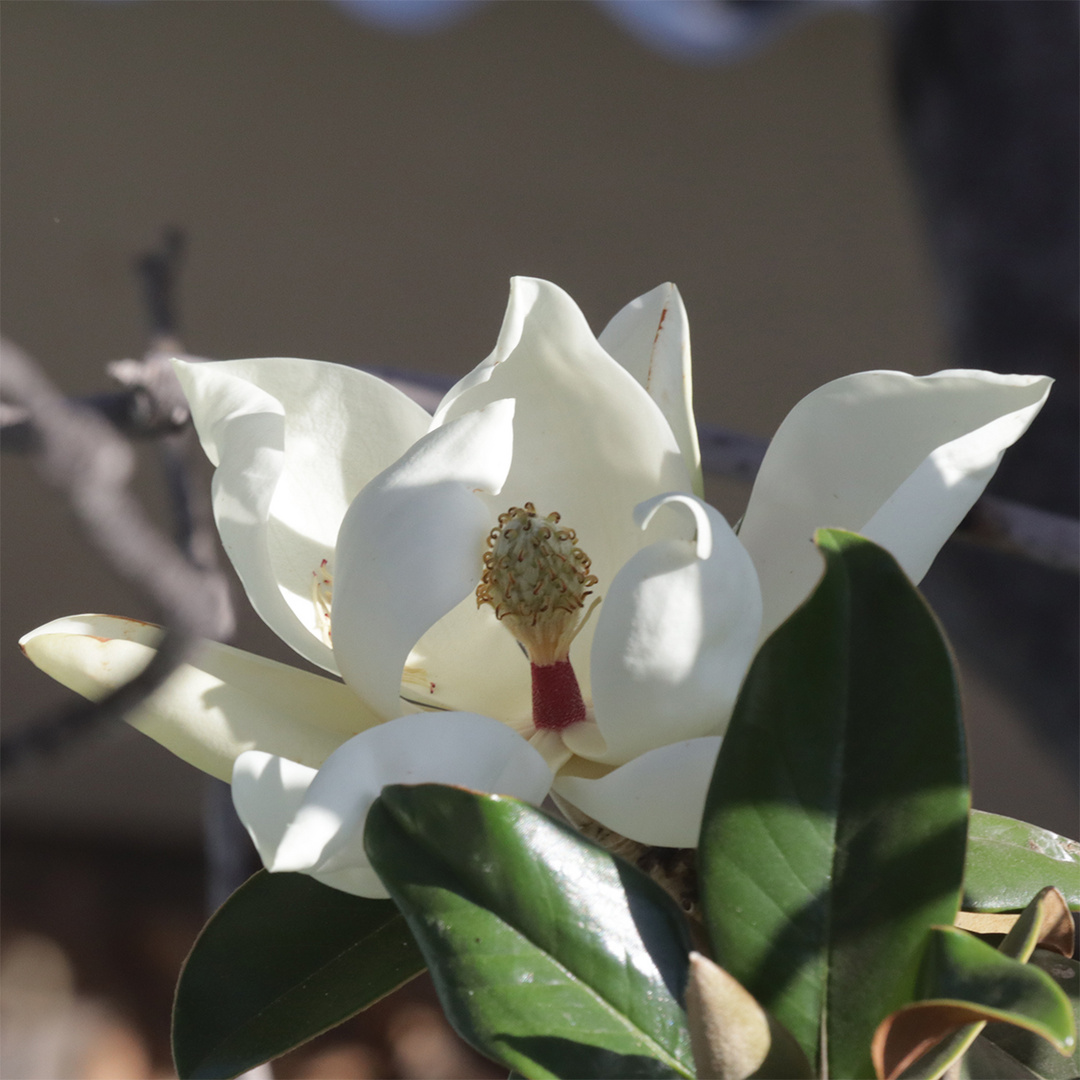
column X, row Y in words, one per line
column 362, row 197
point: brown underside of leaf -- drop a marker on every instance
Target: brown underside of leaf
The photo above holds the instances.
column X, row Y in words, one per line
column 978, row 922
column 1058, row 931
column 729, row 1031
column 902, row 1038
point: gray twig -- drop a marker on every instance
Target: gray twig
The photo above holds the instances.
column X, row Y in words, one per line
column 81, row 455
column 1037, row 535
column 730, row 454
column 159, row 272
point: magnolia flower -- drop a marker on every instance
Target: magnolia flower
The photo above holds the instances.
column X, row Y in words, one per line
column 526, row 591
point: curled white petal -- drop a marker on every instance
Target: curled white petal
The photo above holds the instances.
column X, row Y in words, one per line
column 324, row 835
column 293, row 441
column 676, row 633
column 218, row 704
column 898, row 457
column 411, row 545
column 657, row 799
column 650, row 337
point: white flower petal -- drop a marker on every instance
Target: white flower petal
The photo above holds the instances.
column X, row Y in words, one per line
column 676, row 633
column 589, row 442
column 550, row 746
column 658, row 798
column 268, row 791
column 220, row 703
column 293, row 442
column 468, row 661
column 358, row 880
column 326, row 836
column 650, row 337
column 517, row 310
column 902, row 456
column 411, row 548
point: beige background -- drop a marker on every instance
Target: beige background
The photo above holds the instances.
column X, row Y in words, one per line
column 363, row 198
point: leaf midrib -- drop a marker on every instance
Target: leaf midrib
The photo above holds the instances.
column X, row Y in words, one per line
column 466, row 893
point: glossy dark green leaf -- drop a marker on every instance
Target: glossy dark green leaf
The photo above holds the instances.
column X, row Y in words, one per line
column 282, row 960
column 834, row 829
column 549, row 953
column 1008, row 861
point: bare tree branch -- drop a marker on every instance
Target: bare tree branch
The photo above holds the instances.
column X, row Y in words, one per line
column 159, row 273
column 82, row 457
column 125, row 410
column 730, row 454
column 1036, row 535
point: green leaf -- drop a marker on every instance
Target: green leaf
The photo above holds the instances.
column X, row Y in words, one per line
column 1028, row 1048
column 1039, row 922
column 1009, row 860
column 967, row 982
column 986, row 1061
column 933, row 1034
column 960, row 968
column 834, row 830
column 282, row 960
column 549, row 954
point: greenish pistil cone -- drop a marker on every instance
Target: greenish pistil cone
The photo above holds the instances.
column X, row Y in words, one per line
column 536, row 579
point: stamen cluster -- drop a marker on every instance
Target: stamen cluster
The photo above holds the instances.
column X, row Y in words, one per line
column 536, row 579
column 322, row 594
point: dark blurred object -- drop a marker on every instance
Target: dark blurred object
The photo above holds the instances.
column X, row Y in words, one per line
column 988, row 104
column 93, row 935
column 159, row 272
column 988, row 96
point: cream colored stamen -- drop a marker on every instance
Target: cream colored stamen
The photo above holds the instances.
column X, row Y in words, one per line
column 536, row 579
column 322, row 594
column 415, row 678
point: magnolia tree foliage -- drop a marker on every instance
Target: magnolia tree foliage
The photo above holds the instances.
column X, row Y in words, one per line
column 760, row 834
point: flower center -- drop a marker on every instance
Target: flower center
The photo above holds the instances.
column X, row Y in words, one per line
column 537, row 579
